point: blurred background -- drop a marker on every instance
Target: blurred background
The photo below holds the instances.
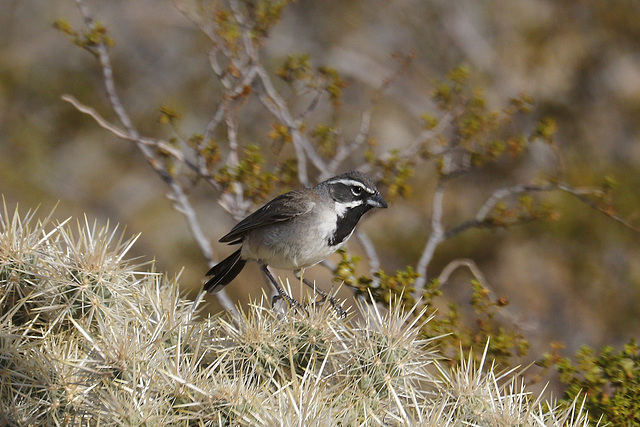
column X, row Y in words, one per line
column 575, row 280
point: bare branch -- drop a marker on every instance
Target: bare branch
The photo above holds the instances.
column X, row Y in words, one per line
column 426, row 135
column 438, row 234
column 97, row 117
column 181, row 204
column 107, row 73
column 160, row 145
column 506, row 192
column 345, row 150
column 580, row 194
column 374, row 260
column 457, row 263
column 448, row 270
column 277, row 106
column 164, row 146
column 238, row 205
column 481, row 221
column 176, row 193
column 311, row 107
column 231, row 93
column 274, row 102
column 435, row 238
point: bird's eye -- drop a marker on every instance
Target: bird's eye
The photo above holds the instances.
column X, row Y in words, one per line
column 356, row 191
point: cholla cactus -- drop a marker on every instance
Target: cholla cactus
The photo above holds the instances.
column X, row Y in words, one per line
column 90, row 338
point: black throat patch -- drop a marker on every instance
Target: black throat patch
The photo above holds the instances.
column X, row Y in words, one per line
column 347, row 223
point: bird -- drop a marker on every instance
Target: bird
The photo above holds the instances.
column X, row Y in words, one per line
column 297, row 230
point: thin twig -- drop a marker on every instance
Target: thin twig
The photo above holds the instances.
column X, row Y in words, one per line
column 107, row 73
column 178, row 198
column 276, row 105
column 374, row 259
column 481, row 218
column 503, row 193
column 176, row 195
column 163, row 146
column 274, row 102
column 438, row 234
column 435, row 238
column 97, row 117
column 426, row 135
column 312, row 105
column 448, row 270
column 160, row 145
column 457, row 263
column 580, row 195
column 345, row 150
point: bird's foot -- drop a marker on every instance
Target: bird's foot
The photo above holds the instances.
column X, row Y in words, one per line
column 291, row 301
column 341, row 312
column 281, row 292
column 324, row 297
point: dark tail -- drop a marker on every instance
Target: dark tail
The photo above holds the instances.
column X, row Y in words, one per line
column 224, row 272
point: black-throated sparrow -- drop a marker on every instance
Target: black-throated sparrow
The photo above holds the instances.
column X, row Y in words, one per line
column 298, row 229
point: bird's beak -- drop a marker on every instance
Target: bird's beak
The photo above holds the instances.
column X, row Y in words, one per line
column 377, row 201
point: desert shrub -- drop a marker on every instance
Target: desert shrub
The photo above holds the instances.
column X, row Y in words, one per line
column 89, row 337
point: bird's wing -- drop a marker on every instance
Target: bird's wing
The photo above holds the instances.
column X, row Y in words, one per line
column 282, row 208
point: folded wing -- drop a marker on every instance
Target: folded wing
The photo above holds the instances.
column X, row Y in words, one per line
column 282, row 208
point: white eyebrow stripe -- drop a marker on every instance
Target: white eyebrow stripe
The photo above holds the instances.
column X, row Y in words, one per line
column 352, row 182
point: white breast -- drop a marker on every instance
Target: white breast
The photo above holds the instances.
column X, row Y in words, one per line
column 277, row 247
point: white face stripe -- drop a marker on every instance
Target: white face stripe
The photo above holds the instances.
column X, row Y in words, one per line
column 341, row 208
column 352, row 182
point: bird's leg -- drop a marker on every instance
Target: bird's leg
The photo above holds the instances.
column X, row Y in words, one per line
column 281, row 293
column 334, row 302
column 300, row 276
